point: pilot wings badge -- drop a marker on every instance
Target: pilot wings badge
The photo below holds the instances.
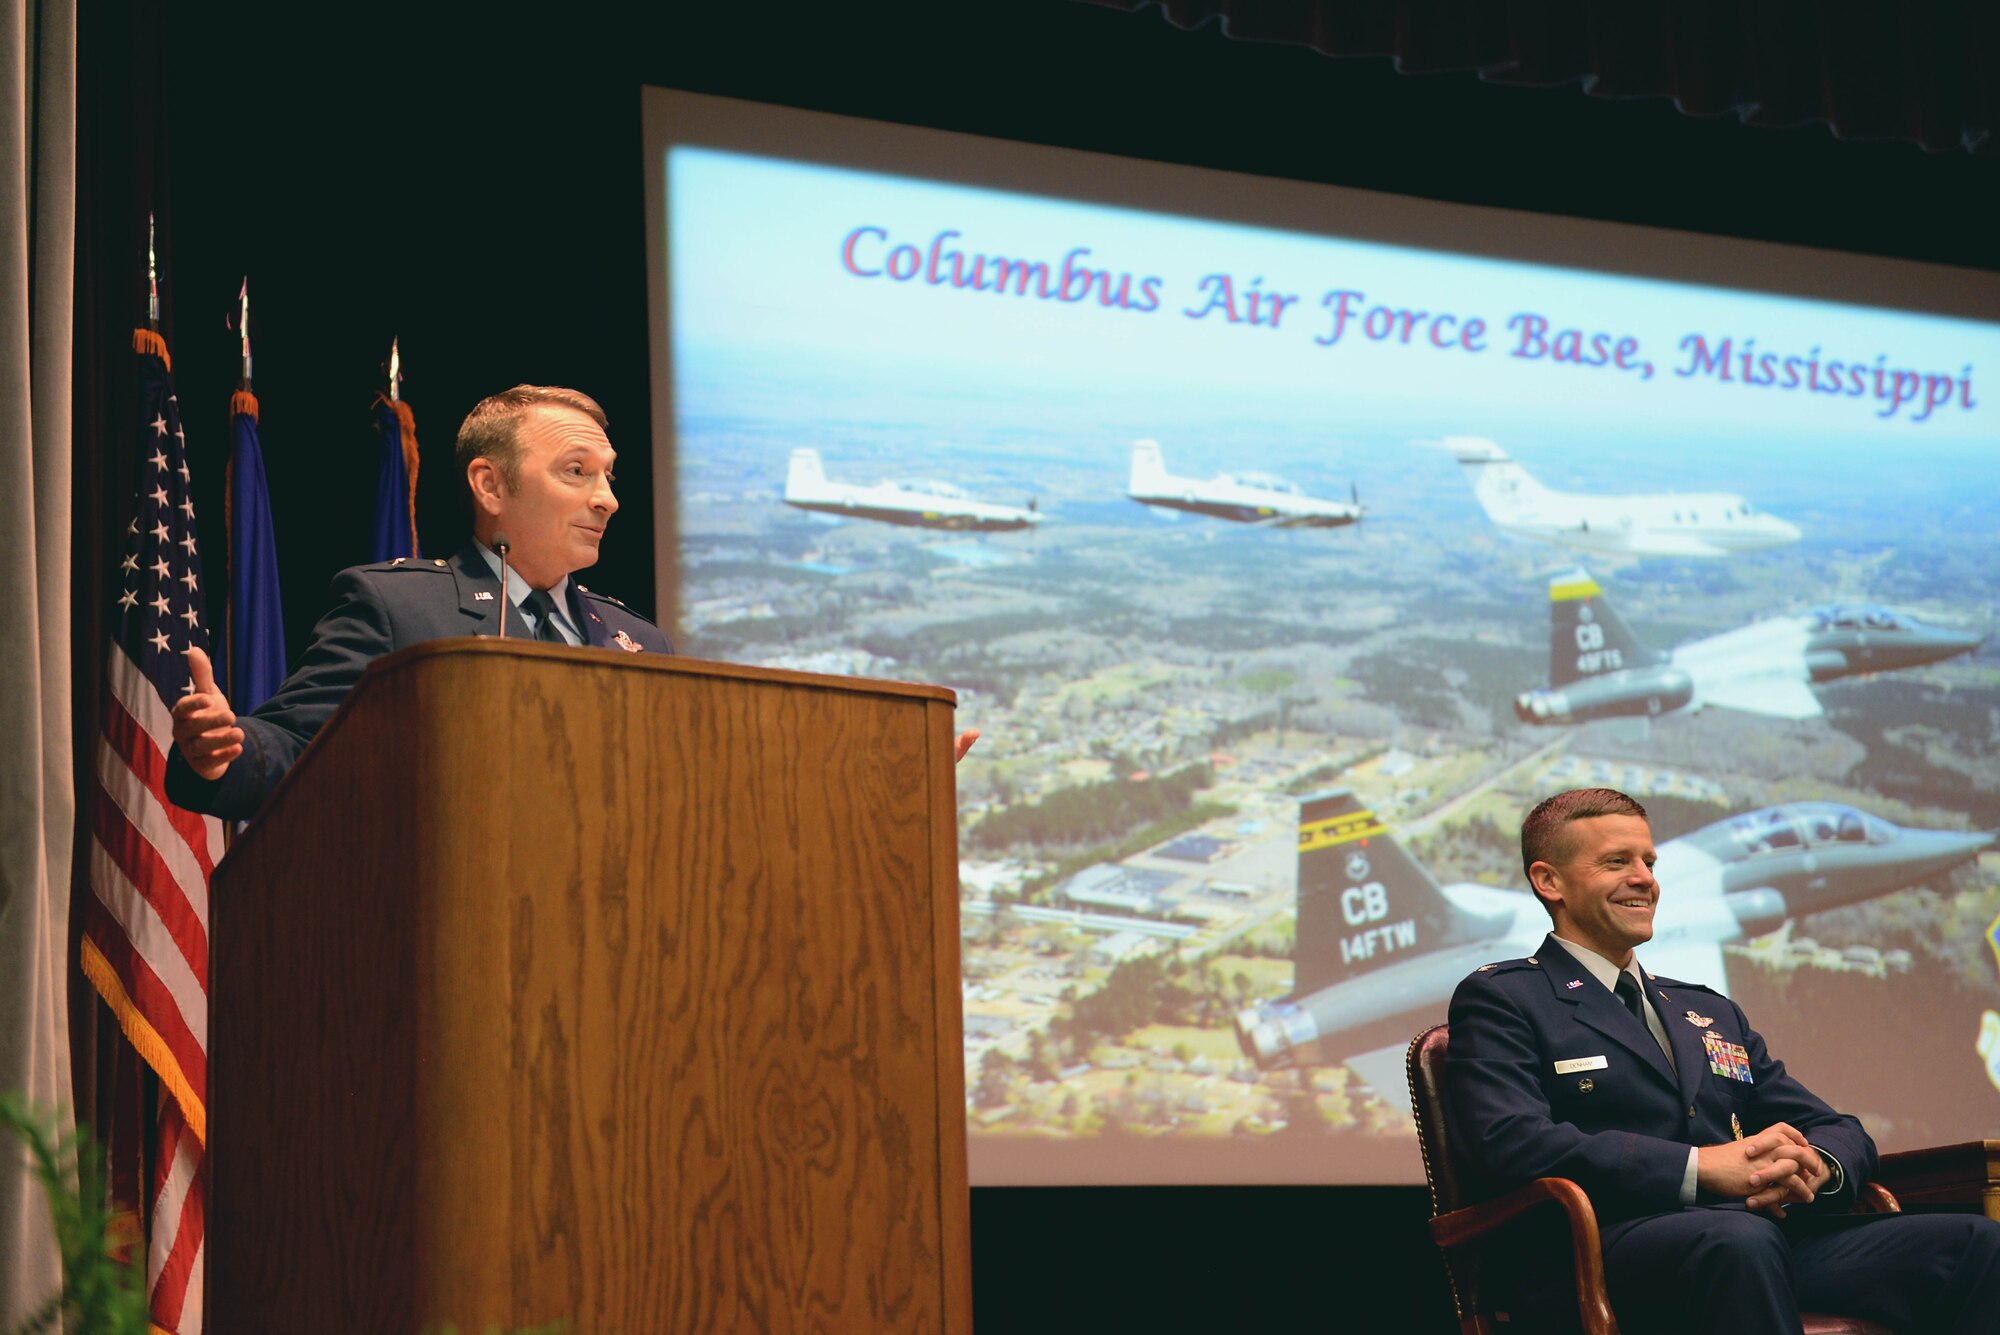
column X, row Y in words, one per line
column 627, row 643
column 1698, row 1020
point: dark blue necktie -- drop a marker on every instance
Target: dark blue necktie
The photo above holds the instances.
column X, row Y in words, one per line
column 1628, row 992
column 542, row 608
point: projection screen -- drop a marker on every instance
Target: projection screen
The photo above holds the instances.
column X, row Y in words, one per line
column 1287, row 543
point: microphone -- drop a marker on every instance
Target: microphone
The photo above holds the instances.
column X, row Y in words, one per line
column 500, row 549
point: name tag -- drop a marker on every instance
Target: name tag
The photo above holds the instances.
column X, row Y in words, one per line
column 1575, row 1064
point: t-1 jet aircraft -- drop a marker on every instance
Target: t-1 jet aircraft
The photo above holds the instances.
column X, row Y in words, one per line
column 1381, row 945
column 1599, row 670
column 1246, row 498
column 919, row 504
column 1660, row 524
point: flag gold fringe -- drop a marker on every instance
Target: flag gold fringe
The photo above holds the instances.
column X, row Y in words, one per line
column 146, row 340
column 151, row 1048
column 243, row 401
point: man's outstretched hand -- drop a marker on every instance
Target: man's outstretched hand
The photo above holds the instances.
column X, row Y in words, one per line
column 204, row 726
column 1767, row 1172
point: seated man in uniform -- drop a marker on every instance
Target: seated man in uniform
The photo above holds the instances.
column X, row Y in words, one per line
column 537, row 467
column 1720, row 1182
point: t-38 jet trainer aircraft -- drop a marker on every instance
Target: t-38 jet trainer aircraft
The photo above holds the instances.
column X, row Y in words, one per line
column 1246, row 498
column 1659, row 524
column 1599, row 670
column 1381, row 944
column 921, row 504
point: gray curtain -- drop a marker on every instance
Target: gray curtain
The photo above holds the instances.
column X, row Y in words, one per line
column 37, row 791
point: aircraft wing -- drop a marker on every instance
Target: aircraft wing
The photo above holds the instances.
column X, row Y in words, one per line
column 1385, row 1071
column 1621, row 731
column 1772, row 696
column 1690, row 960
column 1656, row 542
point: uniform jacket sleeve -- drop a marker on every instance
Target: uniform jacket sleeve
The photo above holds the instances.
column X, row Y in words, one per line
column 350, row 636
column 1780, row 1098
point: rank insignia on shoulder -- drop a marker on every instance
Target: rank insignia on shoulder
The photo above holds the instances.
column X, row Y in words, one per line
column 399, row 560
column 628, row 644
column 482, row 597
column 1698, row 1020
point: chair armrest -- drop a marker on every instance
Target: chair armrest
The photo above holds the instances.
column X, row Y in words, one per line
column 1474, row 1222
column 1963, row 1176
column 1875, row 1198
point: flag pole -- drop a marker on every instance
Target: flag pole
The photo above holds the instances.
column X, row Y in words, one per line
column 242, row 403
column 396, row 491
column 256, row 615
column 243, row 328
column 148, row 340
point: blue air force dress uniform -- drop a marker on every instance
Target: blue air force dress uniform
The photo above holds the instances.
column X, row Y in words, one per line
column 378, row 609
column 1549, row 1075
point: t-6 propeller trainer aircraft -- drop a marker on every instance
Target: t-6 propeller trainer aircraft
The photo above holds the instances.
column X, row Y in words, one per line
column 1245, row 498
column 919, row 504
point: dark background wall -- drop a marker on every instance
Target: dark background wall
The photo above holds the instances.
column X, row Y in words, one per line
column 467, row 178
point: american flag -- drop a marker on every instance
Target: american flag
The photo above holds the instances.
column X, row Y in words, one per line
column 145, row 943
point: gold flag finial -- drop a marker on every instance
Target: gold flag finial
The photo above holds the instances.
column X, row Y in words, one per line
column 243, row 326
column 152, row 279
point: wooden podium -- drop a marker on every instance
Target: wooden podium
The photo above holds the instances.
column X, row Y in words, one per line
column 557, row 984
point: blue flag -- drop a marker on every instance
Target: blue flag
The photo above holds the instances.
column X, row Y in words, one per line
column 256, row 613
column 395, row 531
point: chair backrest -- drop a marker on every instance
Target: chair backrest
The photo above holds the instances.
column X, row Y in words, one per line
column 1425, row 1064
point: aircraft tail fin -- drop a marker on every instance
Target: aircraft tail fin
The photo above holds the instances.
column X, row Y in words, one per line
column 806, row 478
column 1149, row 470
column 1587, row 637
column 1363, row 901
column 1504, row 489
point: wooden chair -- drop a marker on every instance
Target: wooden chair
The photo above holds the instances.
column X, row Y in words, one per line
column 1461, row 1224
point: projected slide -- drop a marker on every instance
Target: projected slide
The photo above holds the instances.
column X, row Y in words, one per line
column 1284, row 570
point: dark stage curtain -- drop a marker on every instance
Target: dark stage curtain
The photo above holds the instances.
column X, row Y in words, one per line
column 1926, row 72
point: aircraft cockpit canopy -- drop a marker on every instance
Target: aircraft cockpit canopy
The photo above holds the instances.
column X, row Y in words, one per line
column 1792, row 827
column 1861, row 618
column 1264, row 482
column 1804, row 824
column 930, row 486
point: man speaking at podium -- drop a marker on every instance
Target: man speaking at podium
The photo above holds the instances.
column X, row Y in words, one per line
column 537, row 467
column 1720, row 1182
